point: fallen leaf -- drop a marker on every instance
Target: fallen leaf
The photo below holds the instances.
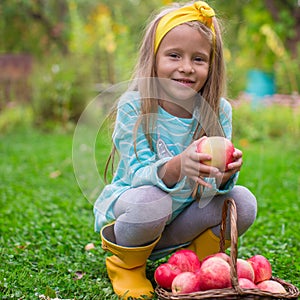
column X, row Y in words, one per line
column 23, row 247
column 89, row 246
column 55, row 174
column 78, row 275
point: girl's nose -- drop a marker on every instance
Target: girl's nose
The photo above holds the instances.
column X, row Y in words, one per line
column 186, row 67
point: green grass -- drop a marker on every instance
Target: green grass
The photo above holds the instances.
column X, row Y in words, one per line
column 46, row 221
column 271, row 171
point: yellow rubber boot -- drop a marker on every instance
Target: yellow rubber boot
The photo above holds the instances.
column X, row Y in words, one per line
column 206, row 243
column 127, row 267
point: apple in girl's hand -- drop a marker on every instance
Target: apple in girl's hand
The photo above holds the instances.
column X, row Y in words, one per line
column 185, row 282
column 245, row 283
column 186, row 260
column 220, row 149
column 244, row 269
column 164, row 275
column 262, row 268
column 271, row 286
column 214, row 274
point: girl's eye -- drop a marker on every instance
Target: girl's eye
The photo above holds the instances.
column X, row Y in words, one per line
column 174, row 55
column 199, row 59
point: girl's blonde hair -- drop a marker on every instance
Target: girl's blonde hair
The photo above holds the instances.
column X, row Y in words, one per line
column 144, row 72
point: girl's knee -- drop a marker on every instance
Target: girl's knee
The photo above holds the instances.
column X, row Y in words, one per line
column 142, row 214
column 145, row 203
column 246, row 207
column 244, row 198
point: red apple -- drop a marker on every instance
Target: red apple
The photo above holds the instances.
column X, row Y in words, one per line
column 164, row 275
column 186, row 260
column 185, row 282
column 262, row 268
column 214, row 274
column 220, row 149
column 245, row 283
column 219, row 254
column 244, row 269
column 271, row 286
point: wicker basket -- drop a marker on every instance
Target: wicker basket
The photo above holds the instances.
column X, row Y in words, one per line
column 292, row 292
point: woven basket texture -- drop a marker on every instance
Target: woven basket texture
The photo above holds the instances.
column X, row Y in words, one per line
column 236, row 292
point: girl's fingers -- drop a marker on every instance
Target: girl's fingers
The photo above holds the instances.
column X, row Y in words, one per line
column 237, row 153
column 202, row 156
column 201, row 181
column 208, row 171
column 236, row 164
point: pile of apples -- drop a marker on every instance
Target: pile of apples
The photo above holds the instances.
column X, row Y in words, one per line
column 184, row 273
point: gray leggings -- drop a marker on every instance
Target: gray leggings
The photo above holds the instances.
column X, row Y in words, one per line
column 142, row 214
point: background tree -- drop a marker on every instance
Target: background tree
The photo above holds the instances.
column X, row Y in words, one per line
column 94, row 41
column 286, row 15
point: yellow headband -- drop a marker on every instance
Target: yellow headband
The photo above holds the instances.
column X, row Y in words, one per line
column 199, row 11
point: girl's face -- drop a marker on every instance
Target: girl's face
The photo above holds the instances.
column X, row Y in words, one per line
column 183, row 58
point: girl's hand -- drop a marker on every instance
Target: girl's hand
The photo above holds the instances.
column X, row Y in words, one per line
column 192, row 167
column 188, row 163
column 232, row 168
column 236, row 165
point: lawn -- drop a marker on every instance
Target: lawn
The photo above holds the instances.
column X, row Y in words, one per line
column 46, row 223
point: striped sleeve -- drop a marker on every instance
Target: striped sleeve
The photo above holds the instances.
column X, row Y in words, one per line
column 137, row 166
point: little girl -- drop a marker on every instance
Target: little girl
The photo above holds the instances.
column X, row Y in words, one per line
column 162, row 197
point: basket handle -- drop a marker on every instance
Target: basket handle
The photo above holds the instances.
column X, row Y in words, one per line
column 234, row 240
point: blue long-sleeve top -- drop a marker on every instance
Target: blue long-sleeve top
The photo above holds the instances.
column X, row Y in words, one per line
column 170, row 136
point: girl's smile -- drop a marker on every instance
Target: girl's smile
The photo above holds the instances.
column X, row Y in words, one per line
column 185, row 81
column 182, row 57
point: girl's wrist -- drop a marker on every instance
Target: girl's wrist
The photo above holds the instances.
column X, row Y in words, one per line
column 170, row 172
column 221, row 182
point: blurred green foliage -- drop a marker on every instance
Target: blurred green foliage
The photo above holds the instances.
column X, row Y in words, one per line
column 257, row 124
column 15, row 116
column 91, row 42
column 61, row 91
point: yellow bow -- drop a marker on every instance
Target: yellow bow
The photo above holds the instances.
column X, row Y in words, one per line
column 199, row 11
